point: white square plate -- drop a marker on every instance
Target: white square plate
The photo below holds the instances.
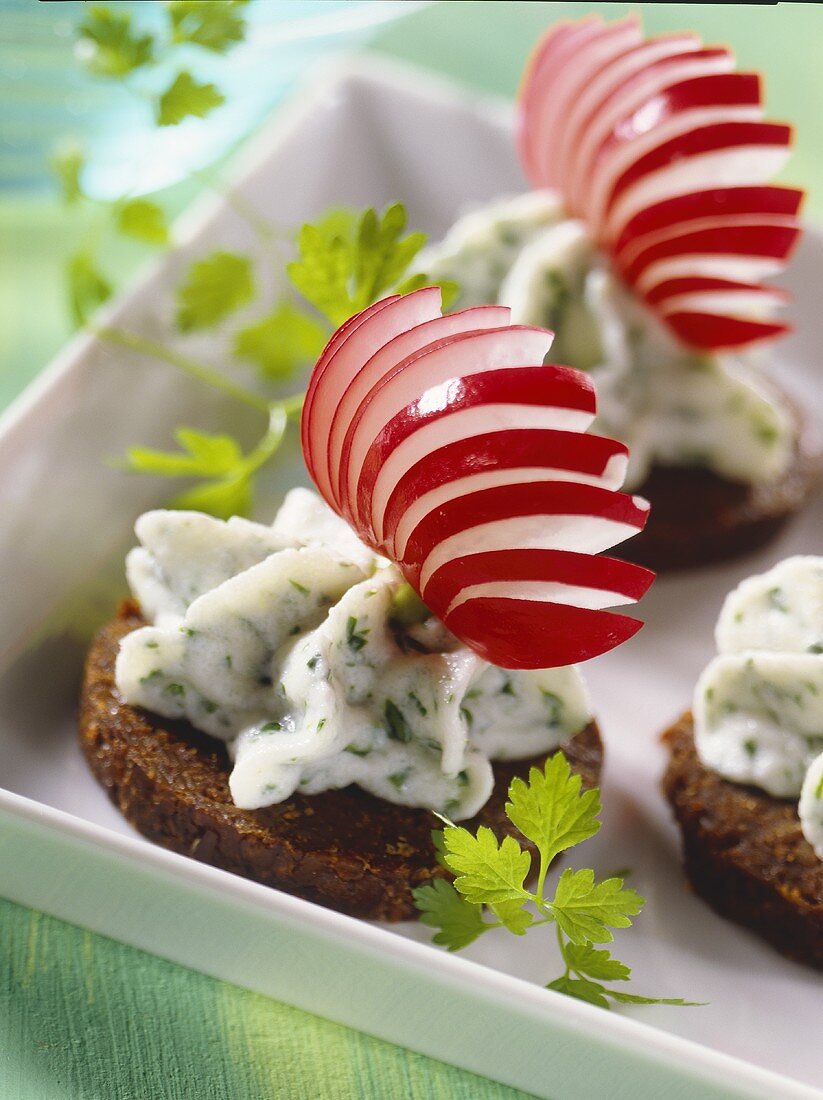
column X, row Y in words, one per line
column 370, row 134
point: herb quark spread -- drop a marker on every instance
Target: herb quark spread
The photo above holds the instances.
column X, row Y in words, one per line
column 758, row 707
column 671, row 405
column 311, row 658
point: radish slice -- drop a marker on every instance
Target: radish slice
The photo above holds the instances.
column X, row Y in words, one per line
column 581, row 59
column 347, row 359
column 466, row 463
column 504, row 457
column 716, row 333
column 547, row 397
column 629, row 131
column 732, row 153
column 555, row 634
column 543, row 70
column 549, row 515
column 470, row 352
column 701, row 207
column 336, row 340
column 413, row 340
column 763, row 248
column 550, row 575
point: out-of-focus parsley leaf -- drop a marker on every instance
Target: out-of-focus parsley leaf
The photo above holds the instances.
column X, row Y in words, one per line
column 227, row 472
column 551, row 811
column 108, row 46
column 68, row 163
column 282, row 343
column 143, row 220
column 343, row 268
column 213, row 24
column 185, row 98
column 213, row 289
column 88, row 287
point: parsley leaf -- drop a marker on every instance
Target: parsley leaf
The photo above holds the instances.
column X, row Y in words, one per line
column 282, row 343
column 585, row 910
column 219, row 459
column 634, row 999
column 88, row 287
column 441, row 906
column 213, row 288
column 550, row 811
column 213, row 24
column 67, row 163
column 582, row 958
column 200, row 455
column 345, row 266
column 186, row 97
column 581, row 988
column 487, row 873
column 108, row 46
column 143, row 220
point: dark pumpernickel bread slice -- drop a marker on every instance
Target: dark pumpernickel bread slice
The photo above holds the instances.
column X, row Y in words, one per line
column 698, row 517
column 744, row 852
column 344, row 849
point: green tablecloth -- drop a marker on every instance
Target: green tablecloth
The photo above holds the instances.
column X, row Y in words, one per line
column 83, row 1017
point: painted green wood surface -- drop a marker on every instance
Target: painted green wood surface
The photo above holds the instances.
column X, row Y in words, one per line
column 84, row 1018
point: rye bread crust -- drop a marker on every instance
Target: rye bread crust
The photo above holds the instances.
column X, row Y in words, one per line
column 344, row 849
column 698, row 517
column 744, row 852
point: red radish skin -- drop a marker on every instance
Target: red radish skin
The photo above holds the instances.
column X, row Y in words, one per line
column 346, row 360
column 387, row 357
column 482, row 485
column 433, row 365
column 547, row 397
column 628, row 131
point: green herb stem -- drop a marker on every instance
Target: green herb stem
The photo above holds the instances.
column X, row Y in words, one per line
column 191, row 367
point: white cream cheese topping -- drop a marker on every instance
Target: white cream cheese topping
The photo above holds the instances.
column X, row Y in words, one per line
column 285, row 642
column 758, row 707
column 669, row 404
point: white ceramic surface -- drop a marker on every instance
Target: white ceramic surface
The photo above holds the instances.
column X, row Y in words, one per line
column 370, row 134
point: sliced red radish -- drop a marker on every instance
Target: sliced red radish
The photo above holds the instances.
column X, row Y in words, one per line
column 466, row 462
column 715, row 206
column 630, row 97
column 716, row 333
column 557, row 576
column 335, row 341
column 505, row 457
column 469, row 352
column 550, row 397
column 729, row 153
column 676, row 111
column 361, row 341
column 515, row 633
column 561, row 86
column 543, row 71
column 387, row 357
column 630, row 136
column 555, row 515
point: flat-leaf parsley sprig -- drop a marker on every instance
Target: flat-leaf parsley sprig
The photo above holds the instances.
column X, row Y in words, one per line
column 552, row 812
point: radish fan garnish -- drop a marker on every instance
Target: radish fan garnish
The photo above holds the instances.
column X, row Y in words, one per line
column 455, row 452
column 660, row 147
